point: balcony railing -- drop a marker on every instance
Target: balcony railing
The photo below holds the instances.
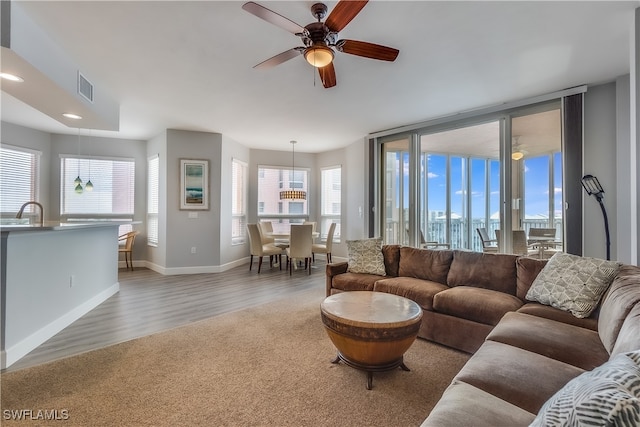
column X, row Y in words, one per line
column 437, row 232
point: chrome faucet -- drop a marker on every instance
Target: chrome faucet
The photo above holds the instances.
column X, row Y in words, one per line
column 19, row 215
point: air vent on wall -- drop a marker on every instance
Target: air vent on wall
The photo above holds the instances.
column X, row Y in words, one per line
column 85, row 87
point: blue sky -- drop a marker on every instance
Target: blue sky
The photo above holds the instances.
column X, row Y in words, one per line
column 536, row 184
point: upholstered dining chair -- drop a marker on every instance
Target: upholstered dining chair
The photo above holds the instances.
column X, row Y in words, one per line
column 300, row 246
column 489, row 245
column 326, row 247
column 126, row 247
column 261, row 250
column 313, row 224
column 266, row 227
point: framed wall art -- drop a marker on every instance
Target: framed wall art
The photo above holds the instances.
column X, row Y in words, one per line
column 194, row 184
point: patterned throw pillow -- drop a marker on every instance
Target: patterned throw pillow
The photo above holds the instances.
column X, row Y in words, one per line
column 573, row 283
column 607, row 396
column 365, row 256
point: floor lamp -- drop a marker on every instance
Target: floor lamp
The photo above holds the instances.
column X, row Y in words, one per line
column 593, row 188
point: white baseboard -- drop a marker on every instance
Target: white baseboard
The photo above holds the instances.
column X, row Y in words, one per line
column 22, row 348
column 194, row 270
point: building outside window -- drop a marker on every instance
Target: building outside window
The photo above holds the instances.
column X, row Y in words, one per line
column 282, row 213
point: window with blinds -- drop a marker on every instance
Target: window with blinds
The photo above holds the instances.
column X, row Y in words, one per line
column 238, row 202
column 113, row 186
column 19, row 177
column 271, row 181
column 330, row 200
column 153, row 176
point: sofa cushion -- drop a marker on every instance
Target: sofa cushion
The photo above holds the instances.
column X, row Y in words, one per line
column 391, row 254
column 520, row 377
column 527, row 270
column 365, row 256
column 607, row 396
column 480, row 270
column 354, row 281
column 549, row 338
column 425, row 264
column 418, row 290
column 622, row 295
column 629, row 336
column 475, row 304
column 573, row 283
column 548, row 312
column 462, row 402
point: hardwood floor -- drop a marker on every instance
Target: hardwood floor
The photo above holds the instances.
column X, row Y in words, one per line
column 149, row 302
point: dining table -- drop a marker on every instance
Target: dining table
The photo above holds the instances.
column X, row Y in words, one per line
column 543, row 244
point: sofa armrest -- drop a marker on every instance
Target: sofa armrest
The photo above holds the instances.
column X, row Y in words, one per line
column 334, row 270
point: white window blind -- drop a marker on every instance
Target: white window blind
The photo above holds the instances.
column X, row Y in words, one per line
column 113, row 186
column 238, row 201
column 19, row 177
column 153, row 174
column 330, row 200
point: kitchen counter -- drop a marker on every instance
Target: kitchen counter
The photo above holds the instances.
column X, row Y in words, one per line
column 51, row 276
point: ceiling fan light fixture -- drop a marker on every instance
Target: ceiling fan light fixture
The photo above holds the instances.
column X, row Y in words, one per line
column 517, row 155
column 318, row 55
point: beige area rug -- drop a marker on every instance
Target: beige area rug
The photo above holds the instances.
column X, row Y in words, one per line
column 264, row 366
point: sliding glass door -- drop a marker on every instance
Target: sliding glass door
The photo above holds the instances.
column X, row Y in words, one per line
column 439, row 185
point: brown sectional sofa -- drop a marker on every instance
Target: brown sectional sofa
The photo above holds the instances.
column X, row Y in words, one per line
column 523, row 352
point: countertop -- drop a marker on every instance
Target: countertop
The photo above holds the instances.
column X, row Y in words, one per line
column 59, row 226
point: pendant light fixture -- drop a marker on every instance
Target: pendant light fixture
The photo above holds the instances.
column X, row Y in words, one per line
column 292, row 194
column 89, row 185
column 78, row 180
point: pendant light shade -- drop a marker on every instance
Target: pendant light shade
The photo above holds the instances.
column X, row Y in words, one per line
column 292, row 194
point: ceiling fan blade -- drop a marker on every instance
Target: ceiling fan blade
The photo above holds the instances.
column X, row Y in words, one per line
column 343, row 13
column 279, row 58
column 368, row 50
column 328, row 75
column 273, row 17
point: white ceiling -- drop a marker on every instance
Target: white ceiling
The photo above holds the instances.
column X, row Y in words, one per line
column 188, row 65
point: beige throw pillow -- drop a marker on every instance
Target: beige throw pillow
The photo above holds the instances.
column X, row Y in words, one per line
column 365, row 256
column 573, row 283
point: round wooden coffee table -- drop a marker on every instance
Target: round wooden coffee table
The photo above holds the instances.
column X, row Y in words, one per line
column 371, row 330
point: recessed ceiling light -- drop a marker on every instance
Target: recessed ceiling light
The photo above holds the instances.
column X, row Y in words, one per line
column 11, row 77
column 72, row 116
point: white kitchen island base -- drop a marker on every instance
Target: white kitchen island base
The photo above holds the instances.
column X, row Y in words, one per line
column 52, row 276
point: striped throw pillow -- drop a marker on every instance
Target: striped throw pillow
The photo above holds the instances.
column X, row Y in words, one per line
column 607, row 396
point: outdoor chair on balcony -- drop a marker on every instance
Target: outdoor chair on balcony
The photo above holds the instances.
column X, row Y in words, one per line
column 489, row 245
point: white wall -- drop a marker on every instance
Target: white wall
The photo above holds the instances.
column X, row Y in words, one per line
column 599, row 160
column 188, row 229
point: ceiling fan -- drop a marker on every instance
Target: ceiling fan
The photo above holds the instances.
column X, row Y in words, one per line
column 321, row 38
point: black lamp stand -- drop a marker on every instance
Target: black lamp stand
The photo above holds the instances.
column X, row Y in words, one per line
column 593, row 188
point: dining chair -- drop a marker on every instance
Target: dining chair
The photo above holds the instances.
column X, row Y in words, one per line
column 261, row 250
column 489, row 245
column 126, row 247
column 313, row 224
column 266, row 227
column 326, row 247
column 521, row 247
column 300, row 246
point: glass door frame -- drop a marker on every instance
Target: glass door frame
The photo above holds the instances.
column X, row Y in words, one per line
column 506, row 169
